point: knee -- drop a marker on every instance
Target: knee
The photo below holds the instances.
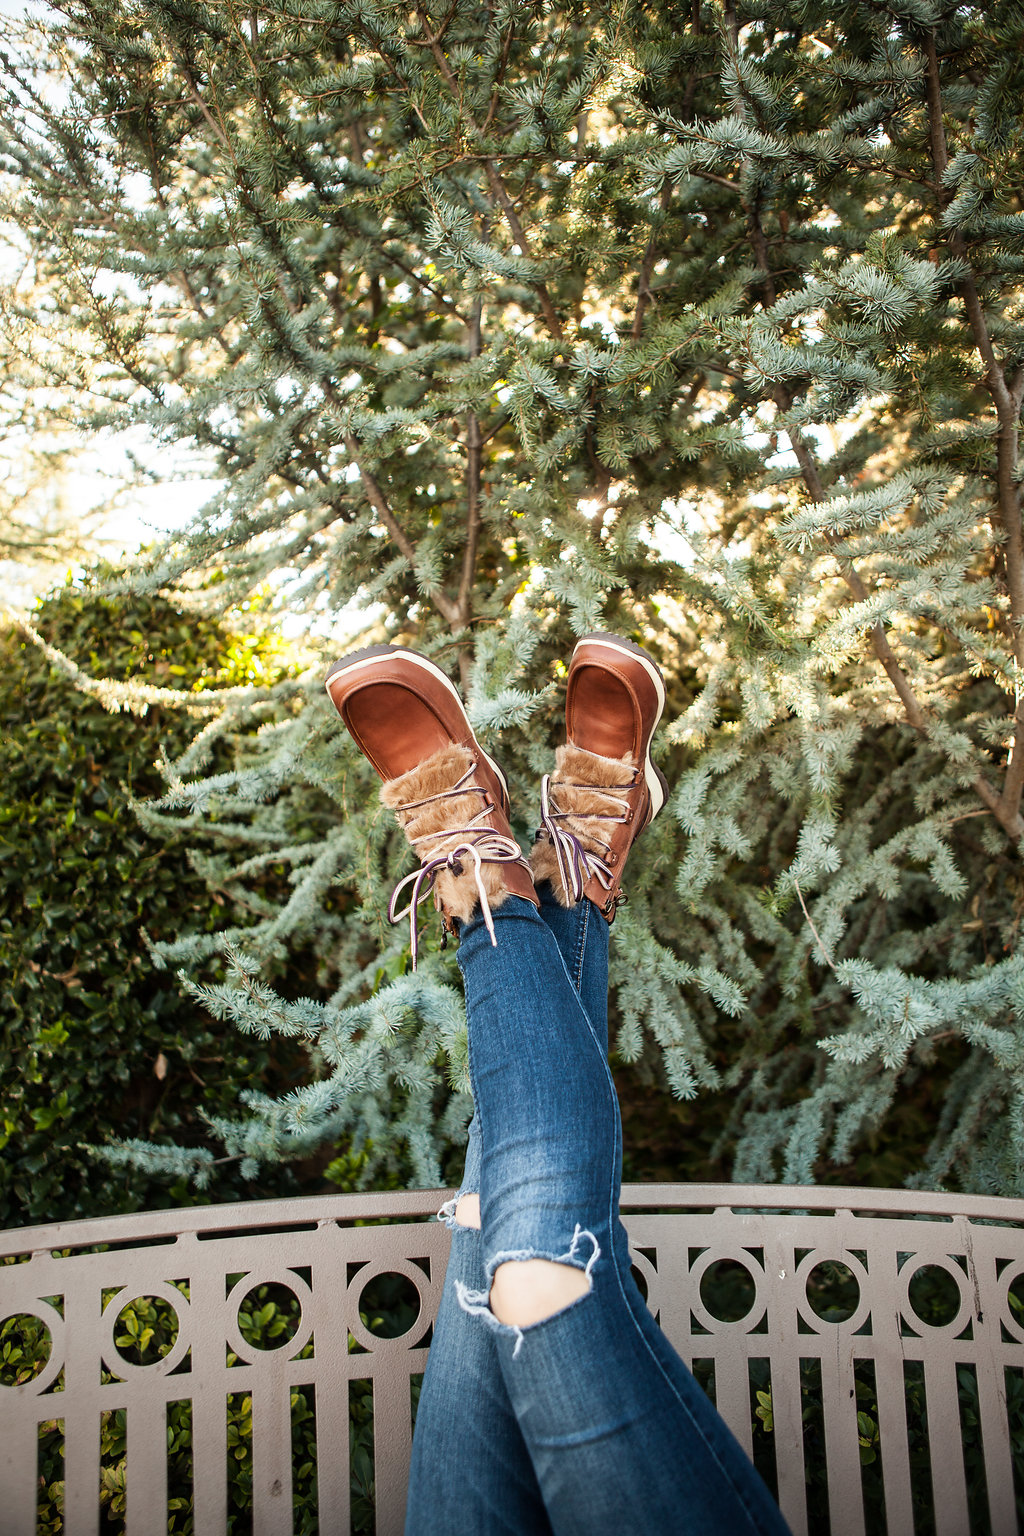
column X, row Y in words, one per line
column 526, row 1291
column 467, row 1212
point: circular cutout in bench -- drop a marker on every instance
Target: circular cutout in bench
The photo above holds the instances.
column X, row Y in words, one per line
column 269, row 1316
column 146, row 1329
column 728, row 1291
column 833, row 1291
column 26, row 1349
column 389, row 1304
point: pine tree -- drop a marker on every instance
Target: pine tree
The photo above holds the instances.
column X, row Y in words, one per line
column 501, row 323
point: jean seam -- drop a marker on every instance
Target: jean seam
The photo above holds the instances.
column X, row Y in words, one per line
column 472, row 1089
column 581, row 943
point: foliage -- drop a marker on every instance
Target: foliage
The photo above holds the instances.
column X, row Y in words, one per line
column 96, row 1040
column 499, row 323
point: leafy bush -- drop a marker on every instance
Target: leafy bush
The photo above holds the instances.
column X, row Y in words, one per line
column 95, row 1041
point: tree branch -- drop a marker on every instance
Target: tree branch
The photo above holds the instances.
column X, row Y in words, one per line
column 1006, row 397
column 378, row 501
column 498, row 189
column 1005, row 812
column 473, row 471
column 644, row 296
column 1009, row 818
column 824, row 952
column 506, row 49
column 375, row 495
column 690, row 94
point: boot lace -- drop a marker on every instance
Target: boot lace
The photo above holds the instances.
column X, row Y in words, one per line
column 475, row 843
column 576, row 862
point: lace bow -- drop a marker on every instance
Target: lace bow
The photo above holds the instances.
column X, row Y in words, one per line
column 481, row 844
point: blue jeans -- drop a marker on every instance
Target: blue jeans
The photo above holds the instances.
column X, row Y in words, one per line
column 587, row 1421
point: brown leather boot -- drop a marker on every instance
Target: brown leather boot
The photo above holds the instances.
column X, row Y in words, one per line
column 605, row 789
column 450, row 798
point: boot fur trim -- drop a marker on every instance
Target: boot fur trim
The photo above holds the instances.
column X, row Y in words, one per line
column 576, row 767
column 431, row 777
column 456, row 895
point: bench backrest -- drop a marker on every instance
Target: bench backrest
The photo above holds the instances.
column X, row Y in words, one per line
column 882, row 1403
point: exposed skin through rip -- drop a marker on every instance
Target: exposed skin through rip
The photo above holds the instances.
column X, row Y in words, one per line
column 467, row 1212
column 526, row 1291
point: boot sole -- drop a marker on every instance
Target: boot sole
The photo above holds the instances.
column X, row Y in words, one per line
column 657, row 784
column 370, row 653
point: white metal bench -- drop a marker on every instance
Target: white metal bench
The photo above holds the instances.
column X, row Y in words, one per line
column 77, row 1277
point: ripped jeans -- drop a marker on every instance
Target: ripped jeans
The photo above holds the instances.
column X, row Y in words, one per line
column 586, row 1422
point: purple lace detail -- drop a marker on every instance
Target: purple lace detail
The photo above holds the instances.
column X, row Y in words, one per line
column 577, row 864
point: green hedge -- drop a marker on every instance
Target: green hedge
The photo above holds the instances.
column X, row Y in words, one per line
column 94, row 1041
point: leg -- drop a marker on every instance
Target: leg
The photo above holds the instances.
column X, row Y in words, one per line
column 621, row 1437
column 471, row 1473
column 535, row 1287
column 582, row 939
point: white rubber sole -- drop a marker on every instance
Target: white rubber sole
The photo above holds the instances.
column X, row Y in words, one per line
column 360, row 664
column 656, row 786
